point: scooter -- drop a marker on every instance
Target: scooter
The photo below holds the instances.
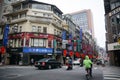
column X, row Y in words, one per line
column 69, row 67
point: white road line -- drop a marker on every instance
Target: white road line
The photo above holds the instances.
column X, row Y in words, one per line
column 111, row 77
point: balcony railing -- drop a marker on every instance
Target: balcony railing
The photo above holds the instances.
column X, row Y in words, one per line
column 57, row 24
column 19, row 20
column 39, row 19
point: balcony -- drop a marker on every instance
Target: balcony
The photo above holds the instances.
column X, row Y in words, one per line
column 39, row 20
column 57, row 24
column 18, row 20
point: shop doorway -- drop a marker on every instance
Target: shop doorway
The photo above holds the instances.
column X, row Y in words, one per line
column 14, row 59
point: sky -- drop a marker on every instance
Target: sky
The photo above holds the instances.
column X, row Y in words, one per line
column 97, row 8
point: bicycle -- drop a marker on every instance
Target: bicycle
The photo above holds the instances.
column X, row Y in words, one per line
column 88, row 74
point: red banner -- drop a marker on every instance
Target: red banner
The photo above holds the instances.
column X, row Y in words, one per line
column 64, row 53
column 2, row 50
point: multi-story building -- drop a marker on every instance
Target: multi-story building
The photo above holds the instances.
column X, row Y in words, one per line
column 4, row 7
column 35, row 30
column 71, row 48
column 112, row 26
column 84, row 20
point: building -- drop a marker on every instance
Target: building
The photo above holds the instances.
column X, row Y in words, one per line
column 112, row 26
column 84, row 20
column 35, row 30
column 4, row 7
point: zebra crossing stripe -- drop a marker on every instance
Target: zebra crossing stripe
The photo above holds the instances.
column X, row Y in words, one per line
column 111, row 77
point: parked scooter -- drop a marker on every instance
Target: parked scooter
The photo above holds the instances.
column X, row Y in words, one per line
column 69, row 63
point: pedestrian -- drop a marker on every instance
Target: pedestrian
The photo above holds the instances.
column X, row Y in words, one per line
column 32, row 61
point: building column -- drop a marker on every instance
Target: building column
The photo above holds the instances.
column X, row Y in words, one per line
column 24, row 42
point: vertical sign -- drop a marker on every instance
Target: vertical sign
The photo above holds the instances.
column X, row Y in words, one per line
column 63, row 35
column 70, row 43
column 5, row 35
column 81, row 34
column 70, row 36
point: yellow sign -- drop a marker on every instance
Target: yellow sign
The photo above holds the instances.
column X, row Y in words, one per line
column 119, row 40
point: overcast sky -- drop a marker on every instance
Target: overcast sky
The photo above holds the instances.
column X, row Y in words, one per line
column 97, row 8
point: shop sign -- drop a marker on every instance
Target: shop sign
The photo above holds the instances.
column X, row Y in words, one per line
column 113, row 46
column 116, row 47
column 14, row 49
column 58, row 51
column 2, row 50
column 5, row 36
column 37, row 50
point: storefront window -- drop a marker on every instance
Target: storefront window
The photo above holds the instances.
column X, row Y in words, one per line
column 38, row 42
column 41, row 43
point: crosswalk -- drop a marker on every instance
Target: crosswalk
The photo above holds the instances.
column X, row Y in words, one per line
column 111, row 76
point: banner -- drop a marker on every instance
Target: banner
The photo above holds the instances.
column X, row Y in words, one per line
column 81, row 34
column 63, row 35
column 5, row 35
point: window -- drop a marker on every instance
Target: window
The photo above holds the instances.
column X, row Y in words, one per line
column 44, row 30
column 10, row 43
column 25, row 6
column 34, row 29
column 15, row 17
column 20, row 29
column 41, row 6
column 16, row 8
column 41, row 43
column 39, row 29
column 118, row 18
column 15, row 29
column 55, row 32
column 22, row 15
column 38, row 42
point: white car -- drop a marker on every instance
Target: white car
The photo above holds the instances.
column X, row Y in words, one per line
column 76, row 61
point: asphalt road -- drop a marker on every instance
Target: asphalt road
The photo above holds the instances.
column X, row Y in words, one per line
column 32, row 73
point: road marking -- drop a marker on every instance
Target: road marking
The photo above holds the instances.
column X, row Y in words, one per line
column 111, row 77
column 95, row 68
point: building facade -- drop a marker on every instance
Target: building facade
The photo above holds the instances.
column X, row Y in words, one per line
column 112, row 26
column 35, row 30
column 84, row 20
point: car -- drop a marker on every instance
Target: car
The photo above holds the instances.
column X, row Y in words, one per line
column 47, row 63
column 76, row 61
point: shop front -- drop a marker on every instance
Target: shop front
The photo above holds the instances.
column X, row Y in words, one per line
column 35, row 54
column 14, row 55
column 114, row 53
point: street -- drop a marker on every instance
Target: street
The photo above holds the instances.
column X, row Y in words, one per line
column 32, row 73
